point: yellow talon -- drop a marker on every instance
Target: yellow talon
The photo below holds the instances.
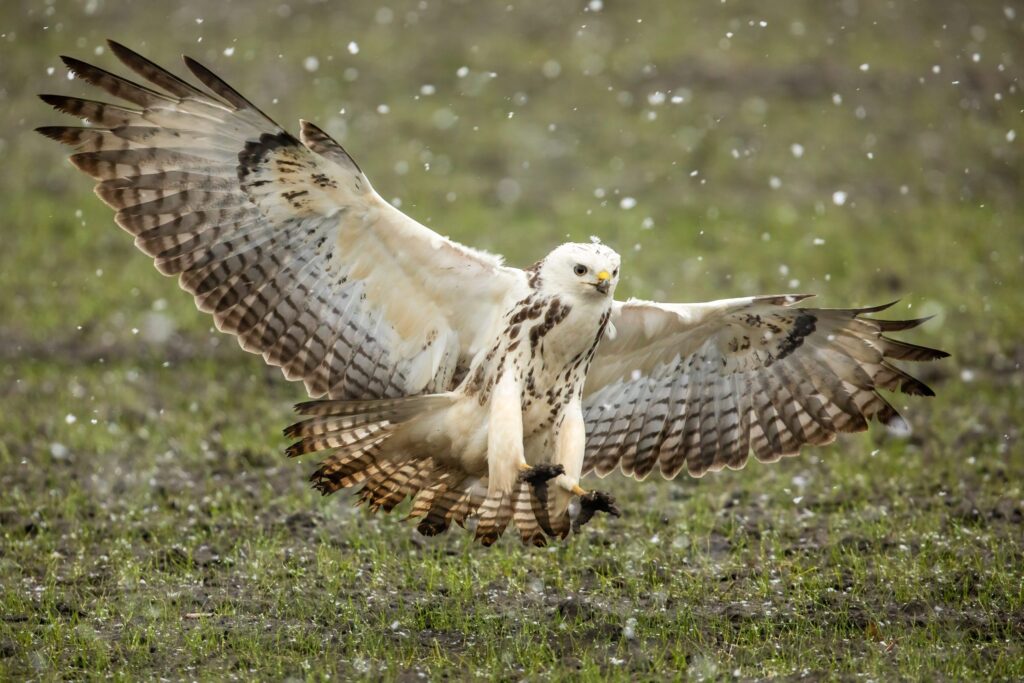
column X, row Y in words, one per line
column 577, row 490
column 523, row 467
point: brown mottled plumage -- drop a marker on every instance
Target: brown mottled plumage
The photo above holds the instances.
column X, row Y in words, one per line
column 481, row 393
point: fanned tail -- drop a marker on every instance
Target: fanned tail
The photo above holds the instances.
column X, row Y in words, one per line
column 357, row 432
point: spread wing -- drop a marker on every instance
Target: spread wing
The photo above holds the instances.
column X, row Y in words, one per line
column 282, row 239
column 703, row 385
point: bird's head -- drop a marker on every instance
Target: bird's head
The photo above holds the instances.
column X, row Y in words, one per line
column 582, row 271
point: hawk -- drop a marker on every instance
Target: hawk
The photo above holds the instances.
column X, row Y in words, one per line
column 481, row 392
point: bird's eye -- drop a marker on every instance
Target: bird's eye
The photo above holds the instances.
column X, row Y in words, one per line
column 615, row 273
column 580, row 269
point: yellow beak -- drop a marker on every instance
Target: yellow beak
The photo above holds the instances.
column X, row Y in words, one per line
column 602, row 276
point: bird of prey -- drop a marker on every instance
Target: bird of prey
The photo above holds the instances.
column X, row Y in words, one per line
column 480, row 391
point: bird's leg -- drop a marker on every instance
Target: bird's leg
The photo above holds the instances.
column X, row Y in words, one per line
column 570, row 443
column 505, row 437
column 560, row 469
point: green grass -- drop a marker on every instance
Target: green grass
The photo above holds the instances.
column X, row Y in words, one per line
column 151, row 527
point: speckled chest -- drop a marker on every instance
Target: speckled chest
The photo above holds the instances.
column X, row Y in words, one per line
column 548, row 345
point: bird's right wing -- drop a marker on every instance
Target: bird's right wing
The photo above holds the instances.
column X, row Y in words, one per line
column 282, row 239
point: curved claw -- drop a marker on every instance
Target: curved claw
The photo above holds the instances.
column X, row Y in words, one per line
column 591, row 504
column 541, row 474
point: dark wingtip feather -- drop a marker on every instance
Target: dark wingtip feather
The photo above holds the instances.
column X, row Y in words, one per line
column 122, row 52
column 217, row 84
column 114, row 84
column 53, row 100
column 152, row 71
column 53, row 132
column 296, row 449
column 102, row 113
column 915, row 387
column 875, row 309
column 73, row 136
column 899, row 325
column 922, row 389
column 901, row 350
column 888, row 415
column 303, row 407
column 323, row 144
column 80, row 69
column 89, row 163
column 895, row 379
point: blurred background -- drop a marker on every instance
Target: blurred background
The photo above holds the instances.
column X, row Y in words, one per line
column 863, row 150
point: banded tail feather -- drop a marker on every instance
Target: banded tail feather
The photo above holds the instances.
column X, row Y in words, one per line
column 355, row 432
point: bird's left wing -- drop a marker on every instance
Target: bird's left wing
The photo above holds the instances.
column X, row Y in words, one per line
column 281, row 238
column 703, row 385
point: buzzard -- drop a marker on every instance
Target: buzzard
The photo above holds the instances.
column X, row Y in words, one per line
column 480, row 391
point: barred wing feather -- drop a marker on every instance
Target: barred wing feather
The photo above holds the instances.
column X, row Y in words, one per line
column 703, row 385
column 282, row 239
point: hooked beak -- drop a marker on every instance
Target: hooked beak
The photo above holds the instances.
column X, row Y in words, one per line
column 604, row 282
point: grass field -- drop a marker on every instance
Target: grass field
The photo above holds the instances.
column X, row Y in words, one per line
column 150, row 526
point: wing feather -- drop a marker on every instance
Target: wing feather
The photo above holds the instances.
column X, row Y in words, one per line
column 282, row 238
column 705, row 385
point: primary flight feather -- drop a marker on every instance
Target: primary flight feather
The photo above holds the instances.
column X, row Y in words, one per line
column 480, row 391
